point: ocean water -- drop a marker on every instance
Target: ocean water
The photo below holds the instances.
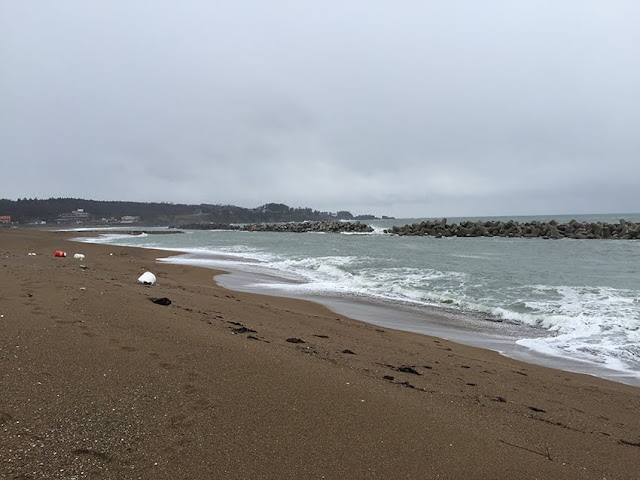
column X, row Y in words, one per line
column 571, row 300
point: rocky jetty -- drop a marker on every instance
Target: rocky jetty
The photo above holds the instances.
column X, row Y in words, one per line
column 294, row 227
column 207, row 226
column 601, row 230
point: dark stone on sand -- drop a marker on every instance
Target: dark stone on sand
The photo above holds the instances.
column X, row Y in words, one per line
column 243, row 329
column 500, row 399
column 391, row 378
column 627, row 442
column 320, row 336
column 164, row 301
column 350, row 352
column 411, row 370
column 536, row 409
column 472, row 384
column 295, row 340
column 494, row 319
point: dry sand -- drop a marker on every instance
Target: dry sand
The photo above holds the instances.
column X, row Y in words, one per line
column 97, row 381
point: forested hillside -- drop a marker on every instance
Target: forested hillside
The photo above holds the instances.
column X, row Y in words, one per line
column 28, row 210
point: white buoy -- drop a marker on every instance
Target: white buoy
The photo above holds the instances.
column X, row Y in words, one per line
column 147, row 278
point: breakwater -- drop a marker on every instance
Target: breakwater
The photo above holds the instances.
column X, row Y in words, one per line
column 293, row 227
column 623, row 230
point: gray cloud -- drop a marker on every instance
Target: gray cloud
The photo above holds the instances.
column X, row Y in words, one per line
column 418, row 108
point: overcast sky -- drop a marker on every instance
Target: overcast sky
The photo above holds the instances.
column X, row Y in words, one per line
column 405, row 108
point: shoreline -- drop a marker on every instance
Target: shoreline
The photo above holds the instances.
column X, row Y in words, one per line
column 471, row 331
column 99, row 382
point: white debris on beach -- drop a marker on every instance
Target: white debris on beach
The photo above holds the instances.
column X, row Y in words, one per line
column 147, row 278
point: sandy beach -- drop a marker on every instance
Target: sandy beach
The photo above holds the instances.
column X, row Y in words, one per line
column 99, row 382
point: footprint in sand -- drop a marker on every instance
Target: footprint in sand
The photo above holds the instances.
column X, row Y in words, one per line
column 67, row 322
column 190, row 389
column 181, row 420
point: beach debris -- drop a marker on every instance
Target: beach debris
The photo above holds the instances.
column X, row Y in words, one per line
column 494, row 319
column 84, row 267
column 83, row 288
column 628, row 442
column 164, row 301
column 78, row 256
column 59, row 253
column 406, row 384
column 391, row 379
column 547, row 455
column 147, row 278
column 536, row 409
column 320, row 336
column 404, row 368
column 243, row 329
column 407, row 369
column 295, row 340
column 349, row 352
column 31, row 254
column 500, row 399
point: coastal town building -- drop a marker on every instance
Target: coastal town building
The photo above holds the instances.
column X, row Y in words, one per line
column 75, row 216
column 5, row 219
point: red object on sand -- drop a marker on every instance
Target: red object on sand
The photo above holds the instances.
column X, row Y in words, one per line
column 59, row 253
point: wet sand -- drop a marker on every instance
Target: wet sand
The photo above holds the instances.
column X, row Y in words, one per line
column 97, row 381
column 451, row 325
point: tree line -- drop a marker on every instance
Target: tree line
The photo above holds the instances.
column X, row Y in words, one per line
column 29, row 210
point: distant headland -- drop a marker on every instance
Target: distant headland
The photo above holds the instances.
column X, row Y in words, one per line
column 77, row 211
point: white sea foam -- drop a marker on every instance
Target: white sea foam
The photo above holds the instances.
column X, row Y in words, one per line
column 475, row 257
column 111, row 238
column 599, row 325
